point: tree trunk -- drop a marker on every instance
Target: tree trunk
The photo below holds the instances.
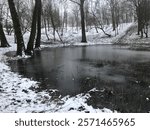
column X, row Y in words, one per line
column 83, row 21
column 17, row 28
column 33, row 31
column 53, row 23
column 138, row 17
column 46, row 28
column 38, row 39
column 3, row 39
column 113, row 20
column 48, row 24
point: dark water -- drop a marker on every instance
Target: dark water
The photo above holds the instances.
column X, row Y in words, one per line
column 124, row 74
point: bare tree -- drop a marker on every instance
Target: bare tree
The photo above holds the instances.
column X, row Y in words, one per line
column 143, row 15
column 17, row 28
column 3, row 39
column 81, row 4
column 24, row 14
column 113, row 7
column 76, row 16
column 38, row 39
column 30, row 45
column 35, row 28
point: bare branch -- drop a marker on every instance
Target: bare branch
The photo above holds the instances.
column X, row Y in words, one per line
column 75, row 2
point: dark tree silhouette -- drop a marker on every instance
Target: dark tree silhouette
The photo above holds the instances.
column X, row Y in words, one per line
column 38, row 39
column 82, row 20
column 17, row 28
column 81, row 4
column 35, row 28
column 30, row 45
column 3, row 39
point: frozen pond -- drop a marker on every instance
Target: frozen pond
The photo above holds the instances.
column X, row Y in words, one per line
column 125, row 74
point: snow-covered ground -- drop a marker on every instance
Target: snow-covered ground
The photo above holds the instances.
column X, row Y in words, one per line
column 132, row 38
column 134, row 41
column 17, row 93
column 73, row 37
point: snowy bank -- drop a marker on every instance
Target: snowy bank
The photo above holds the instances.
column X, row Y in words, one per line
column 73, row 38
column 134, row 41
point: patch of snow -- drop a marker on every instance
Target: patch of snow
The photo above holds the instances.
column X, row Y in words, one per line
column 147, row 99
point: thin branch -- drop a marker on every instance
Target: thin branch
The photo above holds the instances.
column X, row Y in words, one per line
column 101, row 27
column 75, row 2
